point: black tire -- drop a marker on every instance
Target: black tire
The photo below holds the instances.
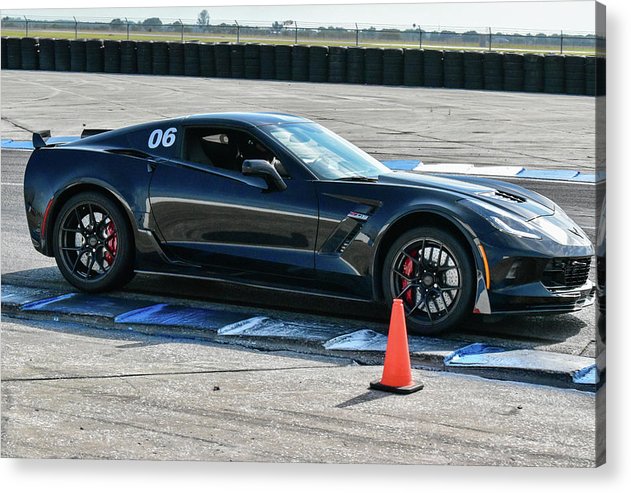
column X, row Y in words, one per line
column 429, row 305
column 93, row 243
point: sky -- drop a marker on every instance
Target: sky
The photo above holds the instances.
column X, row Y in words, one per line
column 538, row 16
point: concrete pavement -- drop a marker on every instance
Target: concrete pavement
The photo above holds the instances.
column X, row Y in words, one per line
column 76, row 391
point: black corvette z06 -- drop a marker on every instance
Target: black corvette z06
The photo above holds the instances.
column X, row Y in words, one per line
column 279, row 201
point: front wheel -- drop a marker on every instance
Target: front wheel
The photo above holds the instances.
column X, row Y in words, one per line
column 432, row 273
column 93, row 243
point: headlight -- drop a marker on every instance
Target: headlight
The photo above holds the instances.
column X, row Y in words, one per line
column 513, row 226
column 502, row 220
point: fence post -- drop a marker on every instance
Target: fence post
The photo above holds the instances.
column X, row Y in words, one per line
column 181, row 31
column 356, row 34
column 127, row 22
column 296, row 32
column 238, row 31
column 490, row 40
column 561, row 42
column 26, row 26
column 76, row 33
column 420, row 38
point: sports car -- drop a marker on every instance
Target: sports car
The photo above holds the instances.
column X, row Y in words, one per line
column 281, row 202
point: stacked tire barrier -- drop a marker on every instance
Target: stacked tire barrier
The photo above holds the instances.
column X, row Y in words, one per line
column 413, row 67
column 493, row 71
column 318, row 64
column 433, row 68
column 160, row 58
column 252, row 61
column 129, row 63
column 355, row 65
column 78, row 56
column 453, row 65
column 392, row 67
column 14, row 53
column 237, row 61
column 513, row 72
column 533, row 73
column 111, row 56
column 268, row 61
column 3, row 51
column 62, row 55
column 144, row 57
column 29, row 54
column 47, row 54
column 554, row 74
column 575, row 75
column 473, row 70
column 373, row 66
column 282, row 60
column 207, row 64
column 337, row 64
column 94, row 55
column 191, row 60
column 176, row 58
column 300, row 63
column 222, row 60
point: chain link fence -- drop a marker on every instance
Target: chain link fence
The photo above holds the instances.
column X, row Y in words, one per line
column 295, row 32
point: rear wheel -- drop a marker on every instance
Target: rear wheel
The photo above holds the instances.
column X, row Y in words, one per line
column 432, row 273
column 93, row 243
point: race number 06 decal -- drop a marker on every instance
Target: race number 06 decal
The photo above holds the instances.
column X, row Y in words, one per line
column 166, row 138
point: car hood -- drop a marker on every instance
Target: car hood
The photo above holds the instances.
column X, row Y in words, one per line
column 513, row 198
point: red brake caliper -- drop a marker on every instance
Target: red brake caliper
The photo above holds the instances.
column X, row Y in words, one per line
column 112, row 243
column 408, row 269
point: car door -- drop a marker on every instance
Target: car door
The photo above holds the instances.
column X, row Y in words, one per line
column 216, row 217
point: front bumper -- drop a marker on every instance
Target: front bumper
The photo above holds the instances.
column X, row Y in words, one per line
column 536, row 298
column 538, row 276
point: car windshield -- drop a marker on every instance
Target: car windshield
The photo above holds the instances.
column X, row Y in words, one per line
column 327, row 155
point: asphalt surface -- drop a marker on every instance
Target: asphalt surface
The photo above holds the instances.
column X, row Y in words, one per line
column 71, row 391
column 435, row 125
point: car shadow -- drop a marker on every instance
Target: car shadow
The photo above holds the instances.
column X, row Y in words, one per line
column 525, row 331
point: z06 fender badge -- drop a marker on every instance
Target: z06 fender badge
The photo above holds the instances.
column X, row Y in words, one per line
column 358, row 215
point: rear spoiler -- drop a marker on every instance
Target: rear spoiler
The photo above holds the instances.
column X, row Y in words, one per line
column 89, row 132
column 40, row 138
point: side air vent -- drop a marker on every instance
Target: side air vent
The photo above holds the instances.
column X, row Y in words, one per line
column 350, row 237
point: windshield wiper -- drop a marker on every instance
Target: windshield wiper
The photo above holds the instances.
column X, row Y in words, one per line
column 357, row 178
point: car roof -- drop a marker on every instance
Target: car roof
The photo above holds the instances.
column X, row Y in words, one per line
column 252, row 118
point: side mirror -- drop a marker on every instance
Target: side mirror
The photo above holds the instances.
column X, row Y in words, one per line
column 262, row 168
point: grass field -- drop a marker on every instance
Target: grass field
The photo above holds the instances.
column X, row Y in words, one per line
column 305, row 40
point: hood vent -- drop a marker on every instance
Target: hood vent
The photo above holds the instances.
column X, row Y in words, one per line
column 502, row 195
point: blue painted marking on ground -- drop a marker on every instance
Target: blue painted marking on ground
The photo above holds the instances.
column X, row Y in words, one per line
column 180, row 316
column 28, row 145
column 471, row 354
column 360, row 340
column 16, row 144
column 38, row 305
column 403, row 164
column 138, row 314
column 548, row 174
column 588, row 375
column 86, row 304
column 273, row 328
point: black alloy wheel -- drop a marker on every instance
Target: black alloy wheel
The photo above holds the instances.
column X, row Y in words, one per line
column 430, row 271
column 93, row 243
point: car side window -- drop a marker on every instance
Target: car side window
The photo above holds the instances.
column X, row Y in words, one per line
column 225, row 148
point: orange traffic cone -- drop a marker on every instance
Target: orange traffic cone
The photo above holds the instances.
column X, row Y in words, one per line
column 397, row 370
